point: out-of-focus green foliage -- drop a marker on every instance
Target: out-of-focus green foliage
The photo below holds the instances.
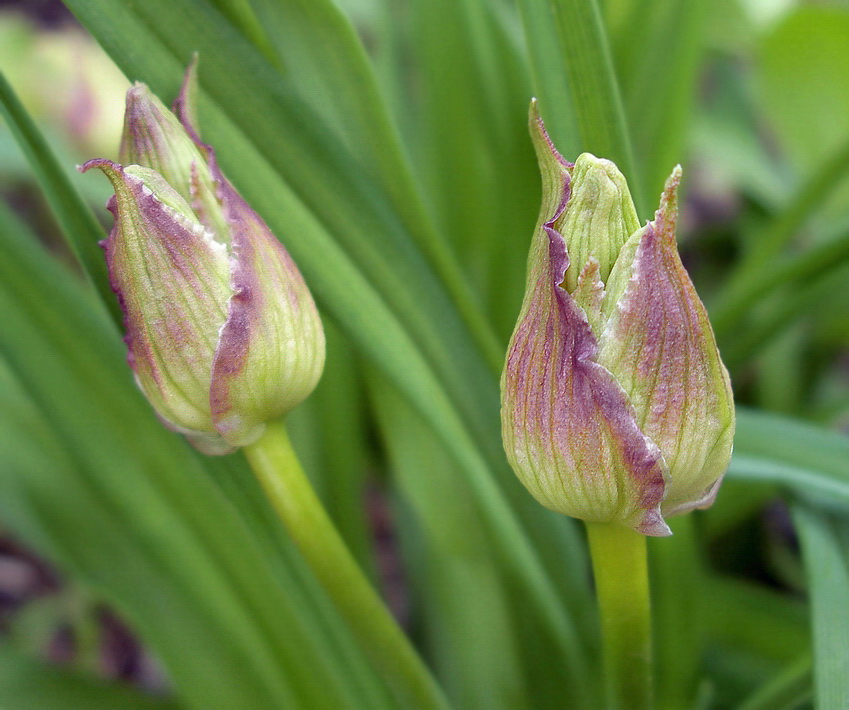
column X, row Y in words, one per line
column 385, row 143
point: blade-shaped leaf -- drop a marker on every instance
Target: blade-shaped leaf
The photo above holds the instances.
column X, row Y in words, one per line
column 809, row 460
column 825, row 548
column 657, row 47
column 81, row 230
column 569, row 49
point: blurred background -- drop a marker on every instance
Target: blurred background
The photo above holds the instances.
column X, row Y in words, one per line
column 760, row 117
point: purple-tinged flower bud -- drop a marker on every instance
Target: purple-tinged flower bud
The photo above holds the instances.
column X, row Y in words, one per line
column 222, row 332
column 616, row 406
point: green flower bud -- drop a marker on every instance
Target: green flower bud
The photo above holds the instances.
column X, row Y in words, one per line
column 222, row 332
column 616, row 406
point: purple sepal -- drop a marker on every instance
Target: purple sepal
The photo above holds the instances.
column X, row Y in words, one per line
column 660, row 344
column 270, row 353
column 569, row 429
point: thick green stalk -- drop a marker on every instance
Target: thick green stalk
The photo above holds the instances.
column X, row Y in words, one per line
column 620, row 567
column 291, row 494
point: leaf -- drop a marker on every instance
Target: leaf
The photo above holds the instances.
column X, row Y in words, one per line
column 657, row 47
column 488, row 665
column 81, row 230
column 825, row 550
column 467, row 102
column 805, row 91
column 809, row 460
column 753, row 633
column 570, row 53
column 787, row 690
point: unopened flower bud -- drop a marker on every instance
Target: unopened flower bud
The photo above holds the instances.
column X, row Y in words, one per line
column 222, row 332
column 616, row 406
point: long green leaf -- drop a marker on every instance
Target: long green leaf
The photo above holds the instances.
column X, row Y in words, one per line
column 753, row 634
column 814, row 264
column 825, row 548
column 677, row 614
column 779, row 232
column 81, row 230
column 469, row 94
column 484, row 665
column 321, row 57
column 779, row 450
column 580, row 61
column 787, row 690
column 657, row 47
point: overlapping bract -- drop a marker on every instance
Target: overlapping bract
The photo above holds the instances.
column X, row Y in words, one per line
column 222, row 332
column 616, row 406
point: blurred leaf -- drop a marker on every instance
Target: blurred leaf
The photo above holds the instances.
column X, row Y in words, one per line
column 727, row 143
column 28, row 684
column 470, row 93
column 320, row 56
column 570, row 56
column 778, row 450
column 677, row 615
column 81, row 230
column 736, row 503
column 753, row 633
column 825, row 549
column 803, row 77
column 804, row 269
column 657, row 47
column 455, row 576
column 789, row 689
column 550, row 77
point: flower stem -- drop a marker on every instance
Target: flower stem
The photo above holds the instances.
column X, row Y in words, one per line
column 279, row 472
column 620, row 568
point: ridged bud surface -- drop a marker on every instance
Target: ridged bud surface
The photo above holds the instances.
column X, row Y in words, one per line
column 616, row 406
column 222, row 332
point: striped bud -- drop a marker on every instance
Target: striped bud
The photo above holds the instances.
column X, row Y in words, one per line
column 222, row 332
column 616, row 406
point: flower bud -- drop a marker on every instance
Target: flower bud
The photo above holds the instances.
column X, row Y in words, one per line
column 616, row 406
column 222, row 332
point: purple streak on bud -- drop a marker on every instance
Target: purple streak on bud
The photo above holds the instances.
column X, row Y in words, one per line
column 223, row 334
column 171, row 279
column 569, row 430
column 660, row 344
column 251, row 378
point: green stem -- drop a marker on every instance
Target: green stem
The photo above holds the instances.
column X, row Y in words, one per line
column 279, row 472
column 620, row 567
